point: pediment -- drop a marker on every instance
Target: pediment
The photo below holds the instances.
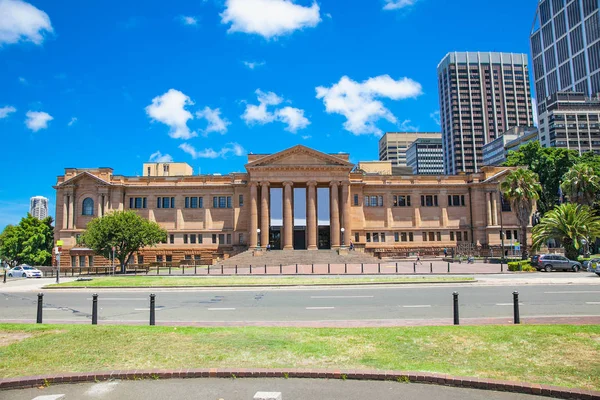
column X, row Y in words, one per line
column 300, row 156
column 84, row 176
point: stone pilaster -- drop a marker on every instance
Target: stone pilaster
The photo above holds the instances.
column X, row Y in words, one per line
column 346, row 218
column 311, row 216
column 335, row 215
column 264, row 214
column 288, row 219
column 252, row 236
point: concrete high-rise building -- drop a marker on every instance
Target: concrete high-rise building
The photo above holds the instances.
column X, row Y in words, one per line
column 38, row 207
column 571, row 121
column 393, row 145
column 565, row 46
column 496, row 152
column 426, row 157
column 481, row 96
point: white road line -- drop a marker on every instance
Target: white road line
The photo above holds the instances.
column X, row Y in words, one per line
column 592, row 302
column 418, row 306
column 50, row 397
column 51, row 309
column 148, row 309
column 120, row 299
column 507, row 304
column 574, row 291
column 341, row 297
column 320, row 308
column 221, row 309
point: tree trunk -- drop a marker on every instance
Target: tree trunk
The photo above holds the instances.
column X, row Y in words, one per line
column 524, row 247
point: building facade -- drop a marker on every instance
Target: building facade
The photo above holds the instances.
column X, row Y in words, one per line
column 394, row 145
column 496, row 151
column 571, row 121
column 38, row 207
column 565, row 46
column 298, row 198
column 481, row 96
column 426, row 157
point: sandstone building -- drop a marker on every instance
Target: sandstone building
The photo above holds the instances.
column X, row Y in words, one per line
column 298, row 198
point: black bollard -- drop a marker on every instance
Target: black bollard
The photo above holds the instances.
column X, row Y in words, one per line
column 157, row 269
column 265, row 269
column 396, row 267
column 296, row 269
column 280, row 269
column 328, row 271
column 182, row 270
column 415, row 268
column 362, row 271
column 378, row 268
column 431, row 268
column 4, row 276
column 312, row 268
column 345, row 268
column 169, row 269
column 94, row 309
column 39, row 308
column 195, row 270
column 236, row 269
column 152, row 309
column 448, row 267
column 501, row 266
column 250, row 269
column 456, row 319
column 516, row 307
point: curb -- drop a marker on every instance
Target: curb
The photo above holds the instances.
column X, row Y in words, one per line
column 261, row 286
column 415, row 377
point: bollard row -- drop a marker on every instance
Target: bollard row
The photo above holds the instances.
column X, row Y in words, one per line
column 516, row 316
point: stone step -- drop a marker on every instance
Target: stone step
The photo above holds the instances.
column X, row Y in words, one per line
column 288, row 257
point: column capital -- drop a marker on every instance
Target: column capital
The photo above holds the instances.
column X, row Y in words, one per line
column 334, row 183
column 288, row 183
column 252, row 183
column 311, row 183
column 265, row 184
column 345, row 183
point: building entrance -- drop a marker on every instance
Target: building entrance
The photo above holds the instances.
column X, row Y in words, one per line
column 324, row 239
column 275, row 237
column 300, row 238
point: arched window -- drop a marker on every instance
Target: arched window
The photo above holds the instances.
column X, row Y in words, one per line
column 88, row 207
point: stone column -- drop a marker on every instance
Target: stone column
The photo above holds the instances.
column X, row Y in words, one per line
column 311, row 216
column 99, row 205
column 252, row 237
column 335, row 215
column 288, row 221
column 489, row 209
column 494, row 209
column 71, row 211
column 264, row 214
column 106, row 198
column 346, row 218
column 65, row 212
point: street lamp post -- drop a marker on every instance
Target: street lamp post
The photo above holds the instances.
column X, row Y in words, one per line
column 501, row 228
column 342, row 230
column 258, row 236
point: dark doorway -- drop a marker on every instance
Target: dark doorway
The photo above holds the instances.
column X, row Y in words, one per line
column 300, row 238
column 275, row 237
column 324, row 238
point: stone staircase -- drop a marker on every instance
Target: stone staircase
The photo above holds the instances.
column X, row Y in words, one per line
column 291, row 257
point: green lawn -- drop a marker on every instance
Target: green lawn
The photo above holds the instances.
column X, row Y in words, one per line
column 160, row 281
column 557, row 355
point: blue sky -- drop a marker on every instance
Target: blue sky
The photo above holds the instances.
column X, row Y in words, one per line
column 105, row 83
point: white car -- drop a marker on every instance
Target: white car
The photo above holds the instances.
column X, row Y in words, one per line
column 24, row 271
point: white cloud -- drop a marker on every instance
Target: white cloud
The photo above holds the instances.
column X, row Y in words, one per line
column 159, row 157
column 20, row 21
column 169, row 109
column 233, row 148
column 6, row 110
column 398, row 4
column 72, row 121
column 37, row 120
column 405, row 126
column 293, row 117
column 306, row 137
column 215, row 122
column 357, row 101
column 23, row 81
column 436, row 117
column 253, row 64
column 189, row 20
column 269, row 18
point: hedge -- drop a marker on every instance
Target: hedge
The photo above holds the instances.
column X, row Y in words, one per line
column 524, row 265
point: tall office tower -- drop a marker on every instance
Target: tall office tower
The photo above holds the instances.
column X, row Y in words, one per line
column 482, row 95
column 38, row 207
column 394, row 145
column 426, row 157
column 565, row 45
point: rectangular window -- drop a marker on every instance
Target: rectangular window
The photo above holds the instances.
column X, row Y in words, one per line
column 383, row 237
column 143, row 202
column 214, row 238
column 462, row 200
column 221, row 238
column 215, row 202
column 356, row 237
column 222, row 202
column 172, row 202
column 193, row 239
column 376, row 237
column 466, row 236
column 429, row 201
column 138, row 202
column 516, row 235
column 439, row 236
column 158, row 202
column 380, row 203
column 185, row 239
column 396, row 237
column 355, row 199
column 403, row 236
column 366, row 201
column 200, row 202
column 188, row 257
column 140, row 259
column 402, row 201
column 199, row 238
column 165, row 202
column 229, row 204
column 159, row 258
column 505, row 204
column 368, row 236
column 187, row 202
column 411, row 237
column 131, row 202
column 194, row 202
column 241, row 238
column 169, row 259
column 172, row 239
column 509, row 235
column 432, row 236
column 424, row 236
column 373, row 201
column 197, row 257
column 459, row 236
column 241, row 200
column 451, row 235
column 91, row 261
column 229, row 238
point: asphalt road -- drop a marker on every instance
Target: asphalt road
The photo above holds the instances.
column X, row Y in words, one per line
column 410, row 302
column 245, row 389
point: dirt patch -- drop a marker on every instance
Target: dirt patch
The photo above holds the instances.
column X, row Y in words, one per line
column 10, row 338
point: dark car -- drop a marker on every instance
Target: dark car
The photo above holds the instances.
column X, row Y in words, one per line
column 534, row 259
column 556, row 262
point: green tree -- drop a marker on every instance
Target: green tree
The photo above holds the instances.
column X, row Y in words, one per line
column 126, row 231
column 29, row 242
column 569, row 224
column 549, row 163
column 521, row 188
column 581, row 184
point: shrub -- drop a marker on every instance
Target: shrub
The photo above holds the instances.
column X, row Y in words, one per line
column 523, row 265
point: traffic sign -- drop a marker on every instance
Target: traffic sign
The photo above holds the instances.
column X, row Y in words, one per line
column 59, row 243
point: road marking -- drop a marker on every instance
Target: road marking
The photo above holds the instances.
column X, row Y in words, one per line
column 507, row 304
column 52, row 309
column 157, row 308
column 418, row 306
column 221, row 309
column 592, row 302
column 50, row 397
column 574, row 291
column 120, row 298
column 320, row 308
column 341, row 297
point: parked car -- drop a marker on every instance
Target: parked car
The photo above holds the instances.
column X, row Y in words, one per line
column 597, row 271
column 590, row 265
column 24, row 271
column 534, row 259
column 555, row 262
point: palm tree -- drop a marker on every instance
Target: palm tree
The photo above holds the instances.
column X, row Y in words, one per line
column 569, row 224
column 521, row 188
column 581, row 184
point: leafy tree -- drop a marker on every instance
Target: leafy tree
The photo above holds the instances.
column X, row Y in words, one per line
column 549, row 163
column 29, row 242
column 567, row 223
column 521, row 188
column 126, row 231
column 581, row 184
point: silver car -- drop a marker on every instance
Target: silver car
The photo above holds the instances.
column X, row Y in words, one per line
column 597, row 269
column 556, row 262
column 24, row 271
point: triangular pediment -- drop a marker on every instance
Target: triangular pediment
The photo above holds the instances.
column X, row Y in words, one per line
column 84, row 176
column 300, row 156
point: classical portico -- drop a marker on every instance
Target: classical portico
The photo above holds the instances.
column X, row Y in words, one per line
column 301, row 176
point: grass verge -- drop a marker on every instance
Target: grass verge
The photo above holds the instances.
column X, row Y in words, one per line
column 165, row 281
column 557, row 355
